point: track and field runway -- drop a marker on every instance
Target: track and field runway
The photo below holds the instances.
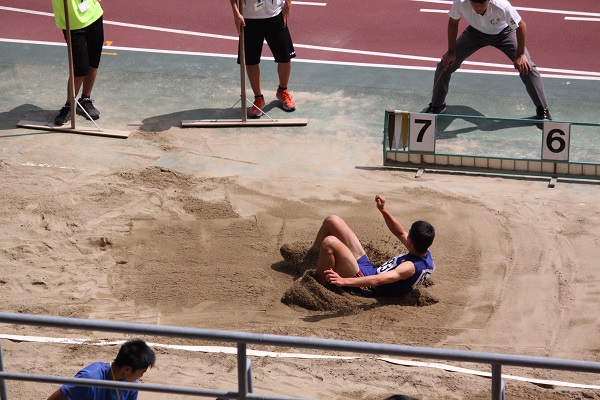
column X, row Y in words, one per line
column 389, row 46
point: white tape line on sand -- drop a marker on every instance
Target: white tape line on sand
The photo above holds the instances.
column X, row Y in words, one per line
column 233, row 350
column 202, row 349
column 451, row 368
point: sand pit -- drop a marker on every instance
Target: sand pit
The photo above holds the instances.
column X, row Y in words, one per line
column 516, row 265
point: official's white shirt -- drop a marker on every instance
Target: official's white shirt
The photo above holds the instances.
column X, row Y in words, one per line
column 260, row 9
column 499, row 15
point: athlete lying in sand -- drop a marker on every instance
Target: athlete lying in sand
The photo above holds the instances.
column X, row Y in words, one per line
column 343, row 262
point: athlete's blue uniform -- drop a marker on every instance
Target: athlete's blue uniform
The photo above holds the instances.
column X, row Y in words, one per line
column 424, row 266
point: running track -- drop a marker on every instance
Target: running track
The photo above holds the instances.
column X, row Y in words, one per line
column 562, row 36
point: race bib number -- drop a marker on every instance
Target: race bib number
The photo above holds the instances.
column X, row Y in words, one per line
column 387, row 266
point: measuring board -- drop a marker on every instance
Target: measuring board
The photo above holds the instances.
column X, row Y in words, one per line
column 410, row 141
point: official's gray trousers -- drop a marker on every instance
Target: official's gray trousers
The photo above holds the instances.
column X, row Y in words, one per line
column 472, row 40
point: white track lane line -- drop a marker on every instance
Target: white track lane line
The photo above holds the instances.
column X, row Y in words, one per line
column 582, row 19
column 568, row 73
column 540, row 10
column 310, row 3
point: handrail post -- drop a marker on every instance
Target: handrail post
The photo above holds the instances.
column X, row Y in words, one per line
column 3, row 392
column 497, row 384
column 249, row 374
column 242, row 374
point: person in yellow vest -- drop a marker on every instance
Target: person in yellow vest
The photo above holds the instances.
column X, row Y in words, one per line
column 87, row 39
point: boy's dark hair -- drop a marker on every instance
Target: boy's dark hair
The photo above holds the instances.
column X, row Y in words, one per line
column 422, row 234
column 136, row 354
column 478, row 1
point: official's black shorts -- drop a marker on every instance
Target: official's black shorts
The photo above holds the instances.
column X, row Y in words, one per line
column 87, row 47
column 277, row 36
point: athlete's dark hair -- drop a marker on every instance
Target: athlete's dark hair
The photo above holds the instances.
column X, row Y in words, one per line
column 422, row 234
column 136, row 354
column 478, row 1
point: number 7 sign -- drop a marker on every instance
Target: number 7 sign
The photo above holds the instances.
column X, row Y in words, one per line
column 422, row 132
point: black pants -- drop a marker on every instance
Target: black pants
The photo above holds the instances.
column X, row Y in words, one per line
column 87, row 47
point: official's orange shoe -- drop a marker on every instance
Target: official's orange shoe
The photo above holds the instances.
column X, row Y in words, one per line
column 286, row 100
column 256, row 110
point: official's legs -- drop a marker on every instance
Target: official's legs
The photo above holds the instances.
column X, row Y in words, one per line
column 95, row 40
column 81, row 68
column 77, row 81
column 88, row 82
column 253, row 72
column 468, row 43
column 87, row 46
column 507, row 43
column 284, row 70
column 280, row 42
column 254, row 34
column 81, row 60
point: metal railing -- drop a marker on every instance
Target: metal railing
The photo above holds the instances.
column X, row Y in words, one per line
column 242, row 339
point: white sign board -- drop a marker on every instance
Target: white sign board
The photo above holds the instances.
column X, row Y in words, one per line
column 555, row 141
column 422, row 132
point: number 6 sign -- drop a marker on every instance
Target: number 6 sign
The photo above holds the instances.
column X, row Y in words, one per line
column 555, row 141
column 422, row 132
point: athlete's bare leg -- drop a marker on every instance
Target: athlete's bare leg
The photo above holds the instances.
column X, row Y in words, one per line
column 338, row 248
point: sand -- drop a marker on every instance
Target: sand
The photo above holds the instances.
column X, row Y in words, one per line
column 110, row 233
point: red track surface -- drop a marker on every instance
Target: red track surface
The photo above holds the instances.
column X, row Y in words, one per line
column 387, row 26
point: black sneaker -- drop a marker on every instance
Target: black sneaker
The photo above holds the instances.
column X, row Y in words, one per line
column 542, row 113
column 436, row 109
column 88, row 106
column 64, row 115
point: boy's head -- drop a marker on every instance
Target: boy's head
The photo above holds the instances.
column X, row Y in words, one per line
column 136, row 354
column 421, row 234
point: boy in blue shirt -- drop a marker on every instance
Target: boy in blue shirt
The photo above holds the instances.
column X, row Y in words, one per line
column 132, row 361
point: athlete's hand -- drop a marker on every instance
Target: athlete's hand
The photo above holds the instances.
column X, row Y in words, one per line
column 380, row 201
column 448, row 59
column 334, row 278
column 522, row 64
